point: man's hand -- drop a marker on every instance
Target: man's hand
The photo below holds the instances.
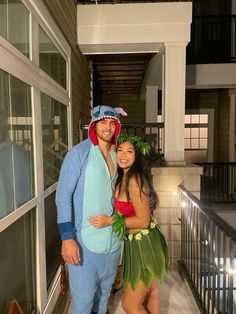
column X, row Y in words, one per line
column 70, row 251
column 101, row 221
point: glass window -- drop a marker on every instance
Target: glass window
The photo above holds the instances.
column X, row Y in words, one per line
column 196, row 135
column 187, row 143
column 14, row 24
column 16, row 144
column 187, row 133
column 194, row 144
column 203, row 143
column 55, row 137
column 203, row 132
column 187, row 118
column 195, row 118
column 203, row 118
column 17, row 265
column 194, row 132
column 53, row 240
column 50, row 59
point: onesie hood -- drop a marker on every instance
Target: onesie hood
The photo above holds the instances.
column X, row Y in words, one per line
column 102, row 112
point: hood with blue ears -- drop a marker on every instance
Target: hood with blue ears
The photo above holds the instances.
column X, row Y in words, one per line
column 101, row 112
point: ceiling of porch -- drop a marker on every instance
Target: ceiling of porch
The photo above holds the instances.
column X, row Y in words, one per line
column 120, row 73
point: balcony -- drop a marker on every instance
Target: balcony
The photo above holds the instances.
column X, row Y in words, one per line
column 212, row 40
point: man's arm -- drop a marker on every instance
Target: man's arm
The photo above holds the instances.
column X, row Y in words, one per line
column 69, row 175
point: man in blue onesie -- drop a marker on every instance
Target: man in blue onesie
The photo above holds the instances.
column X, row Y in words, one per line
column 85, row 189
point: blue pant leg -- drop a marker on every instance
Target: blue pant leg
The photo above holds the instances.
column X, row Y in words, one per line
column 107, row 268
column 83, row 284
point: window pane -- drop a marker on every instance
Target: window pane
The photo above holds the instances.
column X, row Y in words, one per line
column 14, row 24
column 53, row 240
column 55, row 137
column 50, row 59
column 16, row 144
column 187, row 118
column 203, row 132
column 195, row 118
column 17, row 264
column 203, row 118
column 194, row 132
column 187, row 144
column 187, row 132
column 203, row 143
column 194, row 143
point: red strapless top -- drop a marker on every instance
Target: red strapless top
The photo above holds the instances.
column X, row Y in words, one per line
column 125, row 208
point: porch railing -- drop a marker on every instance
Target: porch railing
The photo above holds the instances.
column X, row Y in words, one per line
column 212, row 40
column 152, row 133
column 218, row 182
column 208, row 256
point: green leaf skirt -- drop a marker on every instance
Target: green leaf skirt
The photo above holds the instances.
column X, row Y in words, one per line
column 145, row 258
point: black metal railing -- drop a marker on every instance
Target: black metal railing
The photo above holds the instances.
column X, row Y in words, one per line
column 218, row 182
column 152, row 133
column 208, row 256
column 212, row 40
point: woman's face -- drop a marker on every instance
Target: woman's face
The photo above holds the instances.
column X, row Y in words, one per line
column 125, row 155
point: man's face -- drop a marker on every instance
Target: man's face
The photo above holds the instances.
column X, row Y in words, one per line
column 105, row 129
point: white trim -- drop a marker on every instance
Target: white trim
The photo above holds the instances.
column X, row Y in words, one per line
column 17, row 214
column 41, row 284
column 54, row 292
column 46, row 21
column 16, row 64
column 50, row 190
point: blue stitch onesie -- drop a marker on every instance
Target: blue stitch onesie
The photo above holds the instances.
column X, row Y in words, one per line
column 85, row 188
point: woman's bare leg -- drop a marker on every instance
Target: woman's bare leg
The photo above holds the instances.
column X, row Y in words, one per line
column 132, row 301
column 153, row 300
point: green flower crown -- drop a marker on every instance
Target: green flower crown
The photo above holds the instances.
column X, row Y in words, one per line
column 143, row 147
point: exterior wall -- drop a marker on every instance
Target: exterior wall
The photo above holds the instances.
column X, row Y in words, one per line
column 166, row 181
column 223, row 125
column 134, row 107
column 64, row 13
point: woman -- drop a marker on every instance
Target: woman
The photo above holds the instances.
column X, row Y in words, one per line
column 145, row 256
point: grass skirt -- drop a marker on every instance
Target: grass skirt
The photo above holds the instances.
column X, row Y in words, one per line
column 145, row 257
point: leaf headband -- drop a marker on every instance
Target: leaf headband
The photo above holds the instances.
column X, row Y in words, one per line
column 143, row 147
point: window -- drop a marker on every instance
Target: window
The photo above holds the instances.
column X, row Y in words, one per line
column 17, row 264
column 33, row 111
column 51, row 60
column 53, row 239
column 55, row 137
column 196, row 131
column 14, row 24
column 16, row 144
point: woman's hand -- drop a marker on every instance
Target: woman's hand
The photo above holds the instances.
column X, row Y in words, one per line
column 101, row 221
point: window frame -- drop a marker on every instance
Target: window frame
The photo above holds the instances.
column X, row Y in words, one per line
column 27, row 70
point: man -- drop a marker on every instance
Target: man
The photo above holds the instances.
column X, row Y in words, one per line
column 85, row 189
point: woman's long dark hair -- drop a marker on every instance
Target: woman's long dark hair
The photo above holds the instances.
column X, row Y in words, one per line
column 140, row 171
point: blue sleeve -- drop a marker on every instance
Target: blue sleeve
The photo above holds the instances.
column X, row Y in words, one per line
column 69, row 176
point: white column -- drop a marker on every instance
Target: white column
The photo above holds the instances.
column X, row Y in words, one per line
column 232, row 124
column 174, row 102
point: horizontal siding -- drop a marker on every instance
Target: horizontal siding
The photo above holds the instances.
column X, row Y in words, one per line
column 131, row 104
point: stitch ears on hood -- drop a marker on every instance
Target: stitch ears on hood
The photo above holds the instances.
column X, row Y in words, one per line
column 101, row 112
